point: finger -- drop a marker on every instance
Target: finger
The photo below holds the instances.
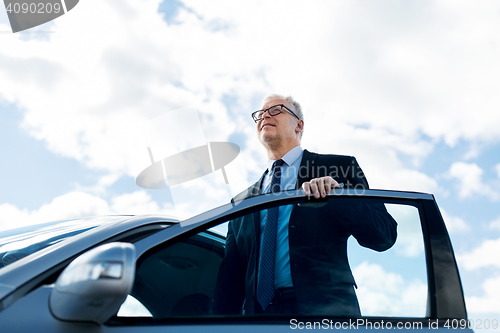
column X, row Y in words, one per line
column 322, row 186
column 306, row 188
column 328, row 184
column 334, row 183
column 318, row 187
column 314, row 188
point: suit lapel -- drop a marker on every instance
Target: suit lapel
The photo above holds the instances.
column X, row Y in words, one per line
column 306, row 165
column 253, row 190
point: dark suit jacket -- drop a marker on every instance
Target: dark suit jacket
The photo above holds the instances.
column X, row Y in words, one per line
column 318, row 243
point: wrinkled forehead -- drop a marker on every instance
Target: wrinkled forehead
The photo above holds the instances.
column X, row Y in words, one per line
column 268, row 102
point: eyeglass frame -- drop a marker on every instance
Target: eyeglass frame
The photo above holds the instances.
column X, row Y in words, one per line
column 272, row 115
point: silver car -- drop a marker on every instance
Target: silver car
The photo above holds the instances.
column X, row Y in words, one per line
column 155, row 273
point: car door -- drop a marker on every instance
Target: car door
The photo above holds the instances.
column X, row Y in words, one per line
column 411, row 284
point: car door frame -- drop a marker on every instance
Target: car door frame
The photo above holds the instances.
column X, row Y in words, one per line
column 445, row 292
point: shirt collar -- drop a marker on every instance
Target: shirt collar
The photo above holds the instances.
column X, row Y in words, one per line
column 291, row 156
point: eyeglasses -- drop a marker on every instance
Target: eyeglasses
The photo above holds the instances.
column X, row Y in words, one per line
column 273, row 111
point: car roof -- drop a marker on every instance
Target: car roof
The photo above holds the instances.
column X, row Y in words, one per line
column 104, row 227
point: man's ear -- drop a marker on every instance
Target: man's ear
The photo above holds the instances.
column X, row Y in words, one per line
column 300, row 125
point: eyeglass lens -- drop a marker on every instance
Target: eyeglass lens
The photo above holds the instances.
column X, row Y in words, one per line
column 273, row 111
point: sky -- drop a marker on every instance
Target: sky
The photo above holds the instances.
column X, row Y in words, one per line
column 410, row 88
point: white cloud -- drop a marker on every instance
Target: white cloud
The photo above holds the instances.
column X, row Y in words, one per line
column 193, row 198
column 468, row 176
column 101, row 186
column 497, row 168
column 484, row 309
column 199, row 195
column 495, row 224
column 86, row 92
column 454, row 224
column 87, row 87
column 485, row 255
column 410, row 242
column 490, row 302
column 4, row 21
column 69, row 205
column 383, row 84
column 383, row 293
column 79, row 204
column 379, row 153
column 138, row 202
column 469, row 181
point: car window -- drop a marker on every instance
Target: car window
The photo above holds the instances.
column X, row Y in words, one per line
column 179, row 278
column 393, row 282
column 346, row 257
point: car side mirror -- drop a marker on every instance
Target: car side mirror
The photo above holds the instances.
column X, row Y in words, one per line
column 93, row 286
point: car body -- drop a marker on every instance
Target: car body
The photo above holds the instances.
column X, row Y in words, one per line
column 167, row 269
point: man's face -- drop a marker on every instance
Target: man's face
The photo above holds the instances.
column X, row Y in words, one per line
column 280, row 128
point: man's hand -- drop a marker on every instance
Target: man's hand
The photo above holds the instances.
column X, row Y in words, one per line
column 319, row 186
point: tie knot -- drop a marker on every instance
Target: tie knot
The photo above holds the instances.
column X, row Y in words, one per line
column 278, row 163
column 276, row 176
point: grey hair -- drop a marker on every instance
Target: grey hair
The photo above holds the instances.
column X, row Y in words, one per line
column 295, row 105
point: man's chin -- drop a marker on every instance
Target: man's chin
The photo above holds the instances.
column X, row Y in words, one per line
column 267, row 137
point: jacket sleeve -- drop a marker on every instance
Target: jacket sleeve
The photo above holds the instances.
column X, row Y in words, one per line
column 370, row 223
column 355, row 175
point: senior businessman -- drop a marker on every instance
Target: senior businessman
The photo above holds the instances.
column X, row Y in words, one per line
column 290, row 259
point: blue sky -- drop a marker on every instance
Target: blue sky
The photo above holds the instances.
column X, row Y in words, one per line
column 409, row 88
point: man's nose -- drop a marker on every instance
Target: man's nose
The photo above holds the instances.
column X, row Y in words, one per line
column 266, row 114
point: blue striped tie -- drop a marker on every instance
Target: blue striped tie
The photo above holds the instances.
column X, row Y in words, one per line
column 265, row 283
